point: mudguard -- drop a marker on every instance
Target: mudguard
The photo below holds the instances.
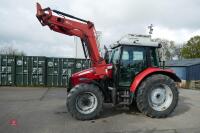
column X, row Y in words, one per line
column 150, row 71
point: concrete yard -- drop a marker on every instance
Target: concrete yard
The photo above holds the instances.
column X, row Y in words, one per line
column 43, row 110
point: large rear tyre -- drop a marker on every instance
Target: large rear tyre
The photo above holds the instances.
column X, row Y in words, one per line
column 133, row 106
column 157, row 96
column 84, row 101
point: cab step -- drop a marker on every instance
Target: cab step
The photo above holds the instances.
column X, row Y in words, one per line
column 125, row 96
column 124, row 103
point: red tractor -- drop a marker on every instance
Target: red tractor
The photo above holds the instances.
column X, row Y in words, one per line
column 131, row 75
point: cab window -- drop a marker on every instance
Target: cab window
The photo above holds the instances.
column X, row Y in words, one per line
column 138, row 55
column 125, row 56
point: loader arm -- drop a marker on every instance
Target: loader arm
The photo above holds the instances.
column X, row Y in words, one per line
column 72, row 26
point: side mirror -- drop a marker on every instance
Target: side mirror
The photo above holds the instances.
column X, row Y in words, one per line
column 159, row 59
column 159, row 45
column 106, row 56
column 117, row 62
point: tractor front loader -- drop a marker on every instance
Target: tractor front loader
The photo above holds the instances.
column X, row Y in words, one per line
column 131, row 75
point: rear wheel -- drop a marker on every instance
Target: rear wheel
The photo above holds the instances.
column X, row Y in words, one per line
column 157, row 96
column 84, row 101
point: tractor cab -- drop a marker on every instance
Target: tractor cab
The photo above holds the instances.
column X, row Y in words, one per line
column 131, row 55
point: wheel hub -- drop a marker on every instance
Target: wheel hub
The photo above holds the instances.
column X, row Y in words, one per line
column 161, row 97
column 86, row 103
column 158, row 96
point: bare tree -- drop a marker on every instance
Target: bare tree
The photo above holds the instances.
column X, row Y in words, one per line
column 9, row 50
column 169, row 48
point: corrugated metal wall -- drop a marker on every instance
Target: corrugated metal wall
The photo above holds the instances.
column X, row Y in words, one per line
column 187, row 72
column 7, row 70
column 180, row 72
column 38, row 71
column 30, row 71
column 193, row 72
column 59, row 70
column 190, row 76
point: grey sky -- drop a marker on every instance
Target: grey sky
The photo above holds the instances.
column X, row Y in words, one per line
column 176, row 20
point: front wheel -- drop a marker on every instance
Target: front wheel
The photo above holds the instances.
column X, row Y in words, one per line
column 85, row 101
column 157, row 96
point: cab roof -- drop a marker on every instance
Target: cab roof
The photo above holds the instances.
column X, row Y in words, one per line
column 136, row 40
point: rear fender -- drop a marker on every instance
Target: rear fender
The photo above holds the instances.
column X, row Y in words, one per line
column 150, row 71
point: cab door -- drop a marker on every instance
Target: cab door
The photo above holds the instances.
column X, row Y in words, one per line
column 133, row 61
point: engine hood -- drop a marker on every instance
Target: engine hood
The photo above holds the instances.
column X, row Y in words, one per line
column 83, row 76
column 84, row 73
column 90, row 74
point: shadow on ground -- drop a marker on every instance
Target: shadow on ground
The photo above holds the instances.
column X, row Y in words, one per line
column 110, row 111
column 182, row 107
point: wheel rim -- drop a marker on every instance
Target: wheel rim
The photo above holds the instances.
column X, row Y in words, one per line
column 86, row 103
column 161, row 97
